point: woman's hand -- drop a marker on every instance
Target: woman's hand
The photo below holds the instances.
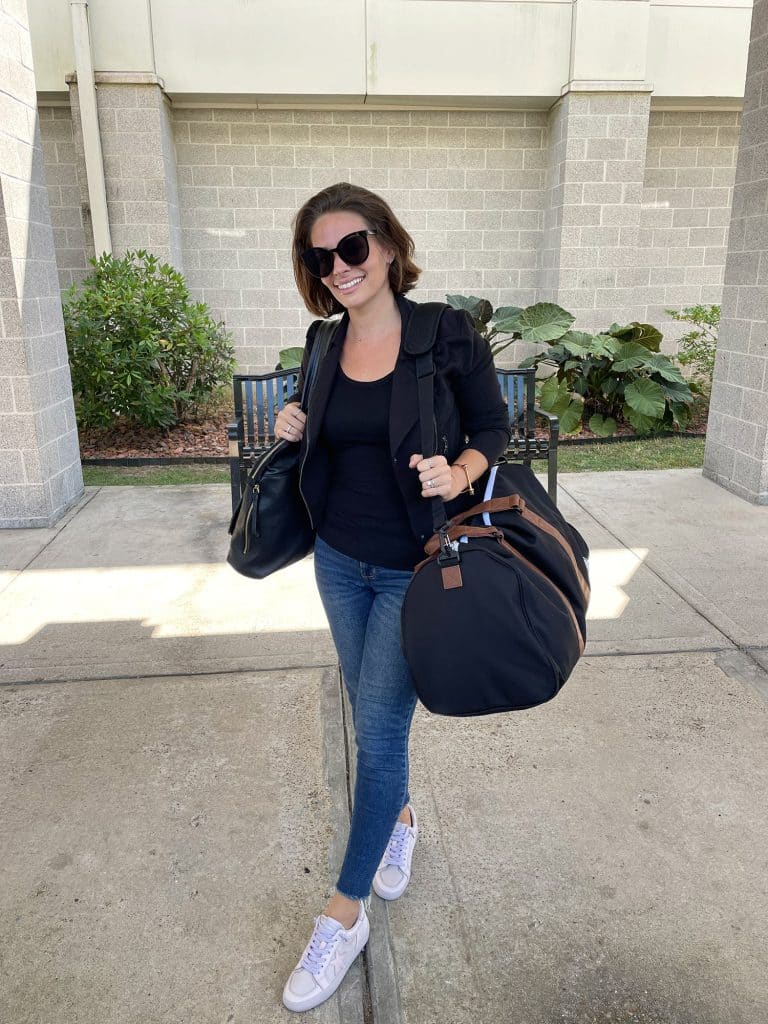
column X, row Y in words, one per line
column 437, row 477
column 289, row 422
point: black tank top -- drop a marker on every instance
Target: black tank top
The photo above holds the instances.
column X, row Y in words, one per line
column 365, row 514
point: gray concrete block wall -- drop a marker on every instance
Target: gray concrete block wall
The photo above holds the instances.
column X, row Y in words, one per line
column 140, row 170
column 613, row 213
column 67, row 194
column 40, row 473
column 591, row 264
column 467, row 185
column 737, row 436
column 687, row 197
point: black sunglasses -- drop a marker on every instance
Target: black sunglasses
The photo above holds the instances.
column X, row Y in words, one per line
column 353, row 249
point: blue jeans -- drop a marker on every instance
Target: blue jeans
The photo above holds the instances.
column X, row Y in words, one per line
column 363, row 604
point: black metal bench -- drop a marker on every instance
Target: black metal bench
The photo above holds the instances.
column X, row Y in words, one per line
column 258, row 398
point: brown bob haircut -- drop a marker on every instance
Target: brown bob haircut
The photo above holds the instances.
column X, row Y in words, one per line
column 390, row 234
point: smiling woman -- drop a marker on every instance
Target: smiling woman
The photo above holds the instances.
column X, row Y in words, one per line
column 364, row 478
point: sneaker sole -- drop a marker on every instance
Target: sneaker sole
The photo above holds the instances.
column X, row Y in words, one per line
column 321, row 997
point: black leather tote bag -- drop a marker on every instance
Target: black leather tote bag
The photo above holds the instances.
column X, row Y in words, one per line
column 270, row 528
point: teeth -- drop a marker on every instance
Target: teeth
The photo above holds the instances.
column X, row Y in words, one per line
column 349, row 284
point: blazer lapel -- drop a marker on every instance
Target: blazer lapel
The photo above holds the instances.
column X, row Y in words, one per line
column 404, row 404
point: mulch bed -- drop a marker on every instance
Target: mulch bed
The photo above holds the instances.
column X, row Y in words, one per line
column 208, row 439
column 188, row 440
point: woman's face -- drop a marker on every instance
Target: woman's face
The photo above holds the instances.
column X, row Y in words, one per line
column 353, row 287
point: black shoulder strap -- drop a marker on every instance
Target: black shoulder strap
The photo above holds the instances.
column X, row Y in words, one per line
column 325, row 331
column 420, row 335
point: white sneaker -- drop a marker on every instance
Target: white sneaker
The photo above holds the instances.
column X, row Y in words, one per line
column 329, row 954
column 394, row 872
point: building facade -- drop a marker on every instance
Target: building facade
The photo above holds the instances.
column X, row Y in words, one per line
column 582, row 153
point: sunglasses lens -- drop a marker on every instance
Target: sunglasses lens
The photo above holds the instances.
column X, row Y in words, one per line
column 319, row 262
column 353, row 249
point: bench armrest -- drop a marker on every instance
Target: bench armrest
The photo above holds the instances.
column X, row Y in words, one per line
column 554, row 434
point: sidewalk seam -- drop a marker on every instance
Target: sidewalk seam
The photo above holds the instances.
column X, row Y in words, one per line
column 122, row 677
column 381, row 977
column 352, row 996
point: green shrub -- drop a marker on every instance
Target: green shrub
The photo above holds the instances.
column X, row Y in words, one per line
column 698, row 346
column 597, row 380
column 139, row 348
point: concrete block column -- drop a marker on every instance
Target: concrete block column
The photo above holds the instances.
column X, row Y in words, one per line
column 139, row 162
column 590, row 261
column 40, row 474
column 736, row 453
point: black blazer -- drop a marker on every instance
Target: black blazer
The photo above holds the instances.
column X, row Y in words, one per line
column 469, row 412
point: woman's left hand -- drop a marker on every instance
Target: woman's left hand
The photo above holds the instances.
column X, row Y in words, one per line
column 436, row 476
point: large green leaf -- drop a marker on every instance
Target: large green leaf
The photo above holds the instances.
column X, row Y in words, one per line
column 602, row 426
column 543, row 322
column 642, row 424
column 289, row 358
column 505, row 313
column 482, row 311
column 570, row 417
column 577, row 342
column 467, row 302
column 630, row 356
column 507, row 326
column 677, row 391
column 603, row 345
column 665, row 368
column 647, row 335
column 549, row 393
column 681, row 414
column 646, row 397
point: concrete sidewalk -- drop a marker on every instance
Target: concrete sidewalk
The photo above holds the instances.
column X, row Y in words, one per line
column 175, row 783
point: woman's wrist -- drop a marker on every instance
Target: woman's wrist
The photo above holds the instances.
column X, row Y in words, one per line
column 460, row 480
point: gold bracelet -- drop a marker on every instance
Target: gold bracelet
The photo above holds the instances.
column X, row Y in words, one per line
column 469, row 488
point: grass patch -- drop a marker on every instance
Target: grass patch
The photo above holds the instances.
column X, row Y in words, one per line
column 121, row 476
column 654, row 453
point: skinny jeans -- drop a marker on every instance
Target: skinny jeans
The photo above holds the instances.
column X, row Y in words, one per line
column 362, row 603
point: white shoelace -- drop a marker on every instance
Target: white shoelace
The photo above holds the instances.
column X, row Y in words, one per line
column 397, row 847
column 320, row 945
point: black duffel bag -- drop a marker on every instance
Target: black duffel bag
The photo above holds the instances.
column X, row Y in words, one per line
column 494, row 618
column 270, row 528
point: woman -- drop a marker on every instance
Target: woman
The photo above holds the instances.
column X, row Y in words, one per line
column 365, row 482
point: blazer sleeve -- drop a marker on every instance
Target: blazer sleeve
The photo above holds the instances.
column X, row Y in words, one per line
column 483, row 413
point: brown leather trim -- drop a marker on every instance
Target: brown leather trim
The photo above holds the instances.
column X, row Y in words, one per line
column 451, row 577
column 542, row 524
column 507, row 546
column 511, row 501
column 514, row 501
